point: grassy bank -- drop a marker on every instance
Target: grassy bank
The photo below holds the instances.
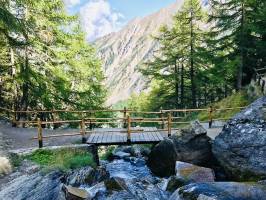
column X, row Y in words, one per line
column 61, row 159
column 239, row 99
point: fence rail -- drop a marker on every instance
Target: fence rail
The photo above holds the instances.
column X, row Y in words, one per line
column 165, row 118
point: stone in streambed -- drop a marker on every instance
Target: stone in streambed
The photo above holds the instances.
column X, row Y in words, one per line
column 121, row 155
column 220, row 191
column 190, row 145
column 188, row 173
column 194, row 173
column 73, row 193
column 115, row 183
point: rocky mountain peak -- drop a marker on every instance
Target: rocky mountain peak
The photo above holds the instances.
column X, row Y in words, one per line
column 124, row 51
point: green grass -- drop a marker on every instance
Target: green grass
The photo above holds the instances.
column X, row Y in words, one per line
column 239, row 99
column 61, row 159
column 15, row 160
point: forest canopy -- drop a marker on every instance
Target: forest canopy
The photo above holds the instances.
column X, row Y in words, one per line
column 45, row 61
column 206, row 54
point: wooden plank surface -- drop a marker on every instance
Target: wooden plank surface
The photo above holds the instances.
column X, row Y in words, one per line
column 103, row 136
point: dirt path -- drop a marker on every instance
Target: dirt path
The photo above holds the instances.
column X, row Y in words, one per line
column 17, row 138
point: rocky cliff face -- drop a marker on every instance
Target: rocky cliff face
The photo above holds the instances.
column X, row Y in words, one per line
column 124, row 51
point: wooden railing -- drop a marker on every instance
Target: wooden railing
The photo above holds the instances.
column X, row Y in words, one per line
column 167, row 120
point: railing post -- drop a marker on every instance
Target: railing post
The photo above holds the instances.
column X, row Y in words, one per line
column 90, row 126
column 40, row 138
column 161, row 115
column 83, row 131
column 210, row 116
column 14, row 123
column 169, row 124
column 128, row 128
column 125, row 116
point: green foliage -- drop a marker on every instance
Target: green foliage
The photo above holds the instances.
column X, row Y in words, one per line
column 197, row 65
column 106, row 153
column 120, row 105
column 15, row 160
column 47, row 63
column 61, row 159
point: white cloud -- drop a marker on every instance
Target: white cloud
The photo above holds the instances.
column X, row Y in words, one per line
column 71, row 3
column 99, row 19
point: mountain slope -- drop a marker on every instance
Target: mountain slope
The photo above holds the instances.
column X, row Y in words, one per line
column 122, row 52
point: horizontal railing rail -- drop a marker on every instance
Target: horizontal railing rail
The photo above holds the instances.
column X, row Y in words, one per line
column 166, row 119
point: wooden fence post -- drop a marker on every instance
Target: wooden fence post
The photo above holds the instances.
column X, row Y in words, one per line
column 125, row 116
column 14, row 120
column 83, row 131
column 169, row 124
column 162, row 115
column 40, row 139
column 90, row 126
column 128, row 128
column 210, row 116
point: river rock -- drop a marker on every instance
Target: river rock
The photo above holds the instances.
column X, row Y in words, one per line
column 33, row 187
column 188, row 173
column 190, row 145
column 96, row 189
column 193, row 173
column 121, row 155
column 98, row 175
column 241, row 146
column 220, row 191
column 79, row 176
column 73, row 193
column 115, row 183
column 85, row 176
column 5, row 166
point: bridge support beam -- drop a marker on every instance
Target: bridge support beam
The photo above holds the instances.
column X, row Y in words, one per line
column 93, row 149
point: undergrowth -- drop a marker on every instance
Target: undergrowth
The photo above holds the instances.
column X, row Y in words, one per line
column 61, row 159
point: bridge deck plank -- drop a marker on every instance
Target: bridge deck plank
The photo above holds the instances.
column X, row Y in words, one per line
column 103, row 136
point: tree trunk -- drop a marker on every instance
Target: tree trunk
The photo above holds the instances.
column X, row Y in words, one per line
column 241, row 65
column 176, row 85
column 25, row 86
column 182, row 96
column 192, row 70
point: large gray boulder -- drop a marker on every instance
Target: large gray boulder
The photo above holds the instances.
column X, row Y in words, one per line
column 190, row 145
column 241, row 146
column 220, row 191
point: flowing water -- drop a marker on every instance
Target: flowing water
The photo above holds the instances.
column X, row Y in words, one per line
column 138, row 182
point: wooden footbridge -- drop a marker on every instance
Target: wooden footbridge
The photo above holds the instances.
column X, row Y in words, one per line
column 116, row 136
column 121, row 127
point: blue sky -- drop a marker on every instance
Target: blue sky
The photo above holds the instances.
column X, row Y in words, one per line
column 100, row 17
